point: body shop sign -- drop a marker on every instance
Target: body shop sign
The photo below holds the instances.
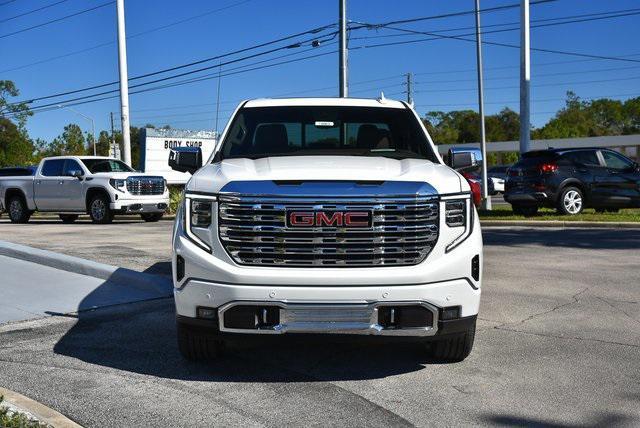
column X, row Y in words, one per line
column 156, row 144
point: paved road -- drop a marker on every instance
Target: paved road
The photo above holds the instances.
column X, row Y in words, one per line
column 558, row 345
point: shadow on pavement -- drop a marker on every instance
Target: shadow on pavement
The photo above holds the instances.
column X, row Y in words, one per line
column 602, row 419
column 141, row 338
column 603, row 239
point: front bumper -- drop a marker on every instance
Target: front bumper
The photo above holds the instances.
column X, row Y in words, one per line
column 340, row 310
column 158, row 204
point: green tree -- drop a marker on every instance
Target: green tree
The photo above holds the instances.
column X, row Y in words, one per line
column 15, row 147
column 70, row 142
column 16, row 111
column 104, row 144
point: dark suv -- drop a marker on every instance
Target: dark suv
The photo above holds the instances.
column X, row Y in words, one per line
column 571, row 180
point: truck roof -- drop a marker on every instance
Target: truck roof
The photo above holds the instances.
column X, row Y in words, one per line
column 337, row 102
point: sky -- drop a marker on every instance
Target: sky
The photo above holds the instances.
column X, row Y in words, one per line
column 81, row 51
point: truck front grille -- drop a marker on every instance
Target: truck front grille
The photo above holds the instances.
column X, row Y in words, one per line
column 255, row 231
column 145, row 185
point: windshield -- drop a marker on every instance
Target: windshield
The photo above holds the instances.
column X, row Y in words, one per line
column 259, row 132
column 106, row 165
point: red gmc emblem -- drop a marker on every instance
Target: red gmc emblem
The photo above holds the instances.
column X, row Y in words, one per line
column 363, row 219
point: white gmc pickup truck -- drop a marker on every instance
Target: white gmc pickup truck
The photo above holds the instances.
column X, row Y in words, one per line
column 72, row 185
column 322, row 216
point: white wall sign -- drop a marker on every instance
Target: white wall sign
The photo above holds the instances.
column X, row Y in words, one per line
column 156, row 144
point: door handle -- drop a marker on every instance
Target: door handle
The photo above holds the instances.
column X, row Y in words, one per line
column 39, row 182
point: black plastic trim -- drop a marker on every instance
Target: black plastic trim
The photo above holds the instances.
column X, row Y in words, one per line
column 461, row 325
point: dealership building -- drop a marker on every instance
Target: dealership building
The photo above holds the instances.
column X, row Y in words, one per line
column 155, row 145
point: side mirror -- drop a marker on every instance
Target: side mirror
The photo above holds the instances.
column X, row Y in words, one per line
column 185, row 159
column 77, row 174
column 463, row 159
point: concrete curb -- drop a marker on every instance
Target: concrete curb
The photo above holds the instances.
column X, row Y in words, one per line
column 41, row 412
column 81, row 266
column 562, row 224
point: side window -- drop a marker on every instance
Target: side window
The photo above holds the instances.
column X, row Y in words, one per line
column 69, row 166
column 584, row 157
column 616, row 161
column 53, row 168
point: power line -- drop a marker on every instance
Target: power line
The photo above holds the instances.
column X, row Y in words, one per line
column 32, row 11
column 33, row 27
column 196, row 71
column 265, row 44
column 7, row 2
column 622, row 12
column 538, row 85
column 151, row 30
column 88, row 88
column 462, row 37
column 453, row 14
column 85, row 99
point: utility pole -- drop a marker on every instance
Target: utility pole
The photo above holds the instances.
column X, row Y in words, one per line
column 525, row 79
column 486, row 199
column 410, row 88
column 344, row 90
column 113, row 138
column 124, row 83
column 218, row 100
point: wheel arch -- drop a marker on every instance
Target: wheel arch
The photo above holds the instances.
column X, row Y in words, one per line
column 573, row 182
column 14, row 191
column 94, row 191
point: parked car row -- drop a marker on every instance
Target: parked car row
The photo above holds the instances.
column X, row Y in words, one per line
column 571, row 180
column 568, row 180
column 70, row 186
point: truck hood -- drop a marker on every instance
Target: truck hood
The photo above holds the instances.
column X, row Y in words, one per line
column 123, row 175
column 211, row 178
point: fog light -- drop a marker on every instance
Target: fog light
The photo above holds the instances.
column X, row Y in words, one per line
column 451, row 313
column 207, row 313
column 475, row 267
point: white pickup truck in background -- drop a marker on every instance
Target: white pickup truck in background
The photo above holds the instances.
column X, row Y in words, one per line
column 75, row 185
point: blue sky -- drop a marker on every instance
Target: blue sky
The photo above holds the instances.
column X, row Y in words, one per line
column 444, row 70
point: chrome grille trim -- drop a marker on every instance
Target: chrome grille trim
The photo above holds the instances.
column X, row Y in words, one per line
column 141, row 185
column 253, row 231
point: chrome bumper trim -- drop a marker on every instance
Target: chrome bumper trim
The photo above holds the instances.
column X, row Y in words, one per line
column 331, row 318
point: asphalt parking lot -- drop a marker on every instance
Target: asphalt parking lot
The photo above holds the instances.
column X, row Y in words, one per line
column 558, row 345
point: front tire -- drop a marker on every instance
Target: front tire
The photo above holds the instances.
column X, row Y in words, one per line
column 99, row 210
column 571, row 201
column 18, row 210
column 454, row 348
column 68, row 218
column 197, row 345
column 151, row 217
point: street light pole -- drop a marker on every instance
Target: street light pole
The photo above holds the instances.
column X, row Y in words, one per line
column 93, row 128
column 486, row 200
column 525, row 79
column 124, row 83
column 344, row 90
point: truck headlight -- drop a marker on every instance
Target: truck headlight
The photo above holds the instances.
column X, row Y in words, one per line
column 118, row 184
column 198, row 210
column 458, row 214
